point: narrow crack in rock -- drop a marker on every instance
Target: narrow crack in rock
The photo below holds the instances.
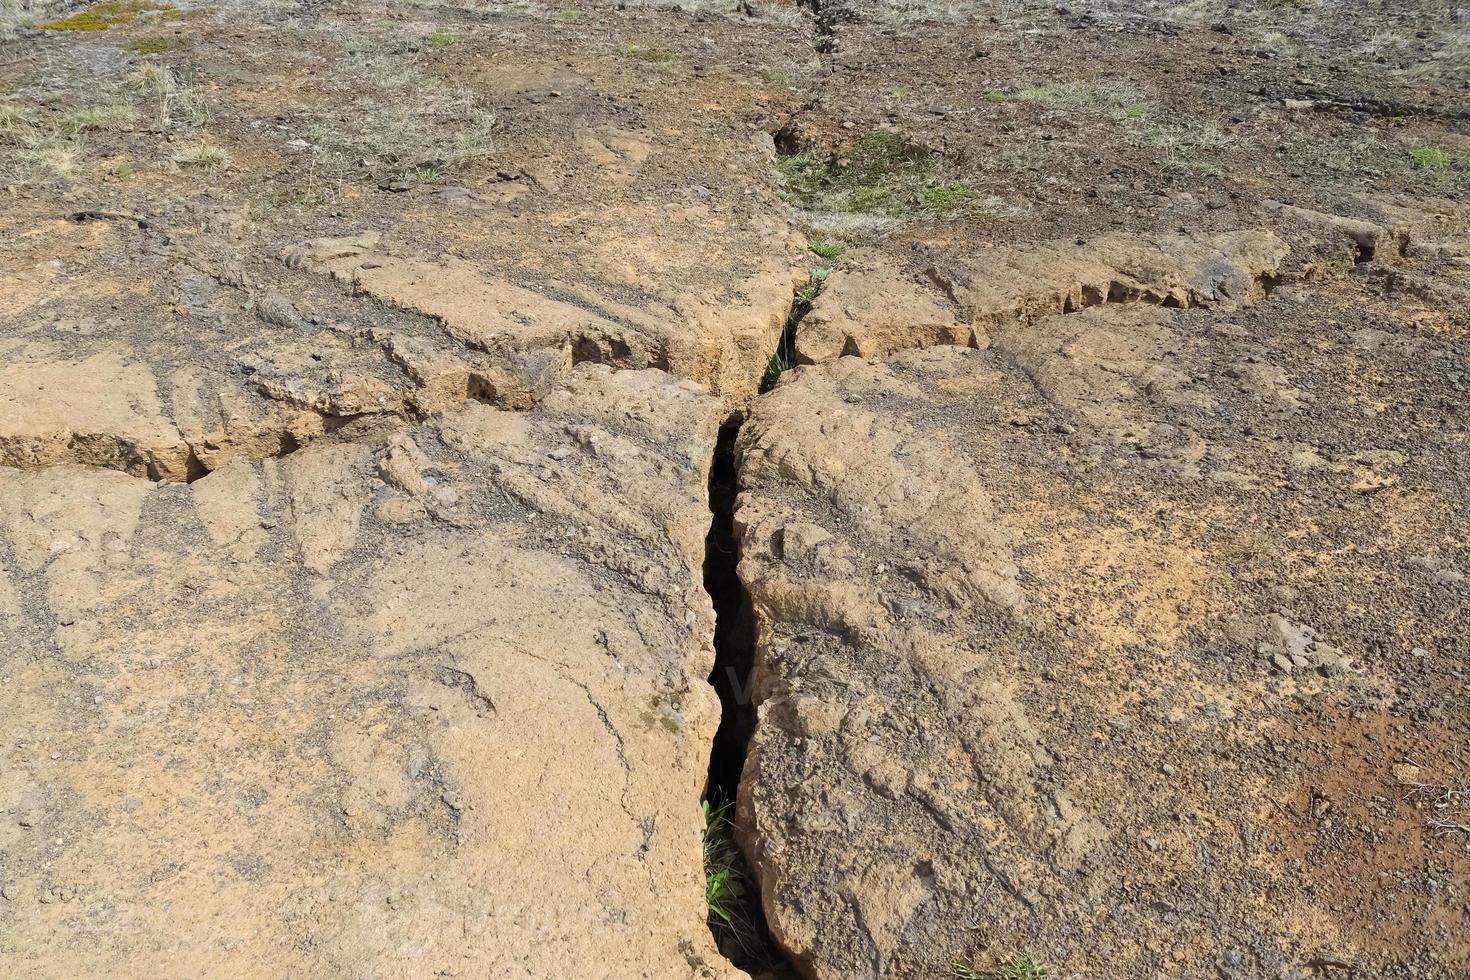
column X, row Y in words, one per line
column 737, row 916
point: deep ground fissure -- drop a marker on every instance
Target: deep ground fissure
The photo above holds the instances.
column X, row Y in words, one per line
column 732, row 894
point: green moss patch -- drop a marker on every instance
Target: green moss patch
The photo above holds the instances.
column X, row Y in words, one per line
column 148, row 45
column 107, row 13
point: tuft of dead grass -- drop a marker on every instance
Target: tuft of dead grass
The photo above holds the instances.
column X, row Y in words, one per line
column 204, row 154
column 400, row 122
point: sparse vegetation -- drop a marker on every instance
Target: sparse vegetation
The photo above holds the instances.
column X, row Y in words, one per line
column 880, row 175
column 441, row 38
column 48, row 155
column 1448, row 805
column 728, row 891
column 181, row 104
column 107, row 13
column 653, row 56
column 14, row 117
column 303, row 200
column 780, row 77
column 1188, row 147
column 147, row 45
column 784, row 358
column 827, row 250
column 424, row 173
column 399, row 123
column 108, row 116
column 948, row 199
column 1372, row 160
column 1022, row 965
column 781, row 362
column 1122, row 102
column 1116, row 99
column 39, row 149
column 204, row 154
column 1431, row 158
column 153, row 78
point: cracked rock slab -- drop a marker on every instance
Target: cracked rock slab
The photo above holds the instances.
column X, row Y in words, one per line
column 430, row 702
column 101, row 410
column 721, row 342
column 1059, row 641
column 872, row 309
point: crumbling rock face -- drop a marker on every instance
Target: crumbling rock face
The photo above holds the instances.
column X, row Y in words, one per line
column 870, row 309
column 1181, row 270
column 1044, row 630
column 432, row 702
column 874, row 311
column 722, row 343
column 101, row 411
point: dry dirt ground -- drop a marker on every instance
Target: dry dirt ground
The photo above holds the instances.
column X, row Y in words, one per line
column 858, row 489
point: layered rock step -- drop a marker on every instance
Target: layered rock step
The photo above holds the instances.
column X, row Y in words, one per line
column 430, row 702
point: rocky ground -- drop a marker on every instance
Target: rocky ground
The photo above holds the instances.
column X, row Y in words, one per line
column 977, row 488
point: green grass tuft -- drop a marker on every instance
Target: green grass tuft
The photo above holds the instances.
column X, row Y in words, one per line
column 948, row 199
column 1018, row 966
column 440, row 39
column 728, row 892
column 879, row 176
column 1431, row 158
column 828, row 250
column 780, row 77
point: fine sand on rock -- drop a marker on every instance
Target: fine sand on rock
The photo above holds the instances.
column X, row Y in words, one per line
column 432, row 702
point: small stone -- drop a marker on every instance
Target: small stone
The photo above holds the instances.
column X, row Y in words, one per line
column 799, row 539
column 1283, row 662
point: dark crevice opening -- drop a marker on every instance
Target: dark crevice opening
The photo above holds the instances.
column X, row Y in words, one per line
column 732, row 895
column 825, row 16
column 784, row 358
column 734, row 639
